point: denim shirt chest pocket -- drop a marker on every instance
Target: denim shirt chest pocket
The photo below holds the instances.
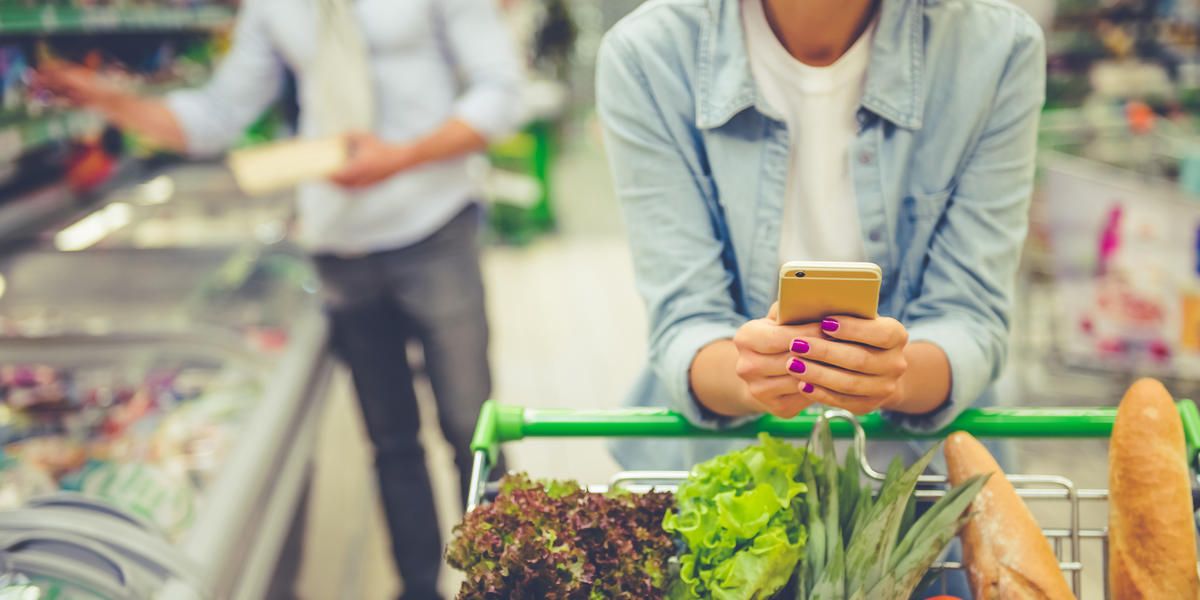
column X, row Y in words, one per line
column 920, row 214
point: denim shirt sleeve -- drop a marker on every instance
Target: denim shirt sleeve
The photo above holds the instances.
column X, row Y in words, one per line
column 665, row 197
column 247, row 81
column 966, row 294
column 484, row 53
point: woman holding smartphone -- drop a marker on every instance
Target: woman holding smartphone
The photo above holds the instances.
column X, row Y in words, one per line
column 746, row 133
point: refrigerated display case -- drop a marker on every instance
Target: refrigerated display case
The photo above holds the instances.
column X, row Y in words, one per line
column 164, row 361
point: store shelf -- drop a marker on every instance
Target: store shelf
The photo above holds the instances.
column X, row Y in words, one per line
column 246, row 449
column 58, row 19
column 18, row 138
column 20, row 215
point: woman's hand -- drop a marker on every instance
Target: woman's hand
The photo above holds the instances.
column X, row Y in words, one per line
column 763, row 354
column 854, row 364
column 843, row 362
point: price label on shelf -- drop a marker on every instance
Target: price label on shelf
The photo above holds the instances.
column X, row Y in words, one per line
column 100, row 18
column 49, row 18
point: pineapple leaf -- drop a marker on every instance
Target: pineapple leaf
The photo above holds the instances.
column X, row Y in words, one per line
column 861, row 511
column 832, row 585
column 926, row 541
column 849, row 490
column 815, row 556
column 904, row 585
column 802, row 583
column 945, row 510
column 930, row 534
column 871, row 549
column 910, row 516
column 835, row 564
column 834, row 551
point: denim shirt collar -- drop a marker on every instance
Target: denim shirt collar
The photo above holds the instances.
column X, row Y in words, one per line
column 893, row 89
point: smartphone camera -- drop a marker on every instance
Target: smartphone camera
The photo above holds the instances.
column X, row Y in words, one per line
column 798, row 274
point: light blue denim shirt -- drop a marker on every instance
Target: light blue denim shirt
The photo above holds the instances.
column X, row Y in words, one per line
column 430, row 60
column 942, row 168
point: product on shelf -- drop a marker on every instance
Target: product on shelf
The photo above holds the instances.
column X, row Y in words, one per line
column 14, row 81
column 31, row 116
column 20, row 481
column 1151, row 526
column 55, row 454
column 148, row 443
column 1004, row 550
column 18, row 586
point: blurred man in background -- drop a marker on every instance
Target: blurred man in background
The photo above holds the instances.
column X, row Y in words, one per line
column 414, row 87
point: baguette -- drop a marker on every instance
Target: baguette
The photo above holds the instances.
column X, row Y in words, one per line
column 1006, row 555
column 1151, row 528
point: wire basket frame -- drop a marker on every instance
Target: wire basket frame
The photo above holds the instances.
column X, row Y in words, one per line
column 1066, row 541
column 500, row 423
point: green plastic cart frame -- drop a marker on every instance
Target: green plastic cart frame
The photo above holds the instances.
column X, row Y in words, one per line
column 501, row 423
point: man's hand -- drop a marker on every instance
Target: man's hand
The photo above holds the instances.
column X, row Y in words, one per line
column 78, row 85
column 148, row 117
column 855, row 364
column 371, row 161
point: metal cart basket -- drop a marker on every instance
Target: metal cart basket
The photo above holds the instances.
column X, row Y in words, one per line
column 499, row 423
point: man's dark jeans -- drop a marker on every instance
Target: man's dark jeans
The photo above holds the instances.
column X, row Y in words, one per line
column 431, row 292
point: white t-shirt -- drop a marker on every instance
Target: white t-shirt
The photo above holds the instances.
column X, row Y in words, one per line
column 819, row 105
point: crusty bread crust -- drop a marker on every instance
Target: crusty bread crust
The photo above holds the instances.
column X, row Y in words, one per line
column 1151, row 528
column 1006, row 554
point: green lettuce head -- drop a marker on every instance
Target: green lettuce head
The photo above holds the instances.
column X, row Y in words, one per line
column 740, row 517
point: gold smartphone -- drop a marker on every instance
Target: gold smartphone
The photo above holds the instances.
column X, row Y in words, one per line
column 810, row 291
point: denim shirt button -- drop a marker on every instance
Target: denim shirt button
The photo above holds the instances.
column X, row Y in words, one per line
column 865, row 158
column 876, row 234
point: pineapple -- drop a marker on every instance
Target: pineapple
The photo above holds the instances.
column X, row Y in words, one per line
column 865, row 547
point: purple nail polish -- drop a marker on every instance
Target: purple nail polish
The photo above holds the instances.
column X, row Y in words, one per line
column 808, row 388
column 799, row 346
column 830, row 325
column 796, row 365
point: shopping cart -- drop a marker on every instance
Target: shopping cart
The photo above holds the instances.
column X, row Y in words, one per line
column 499, row 423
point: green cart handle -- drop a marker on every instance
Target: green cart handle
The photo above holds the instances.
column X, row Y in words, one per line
column 499, row 423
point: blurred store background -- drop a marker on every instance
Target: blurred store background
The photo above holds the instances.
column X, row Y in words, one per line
column 162, row 348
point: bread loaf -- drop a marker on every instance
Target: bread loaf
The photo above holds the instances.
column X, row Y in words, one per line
column 1151, row 528
column 269, row 168
column 1005, row 553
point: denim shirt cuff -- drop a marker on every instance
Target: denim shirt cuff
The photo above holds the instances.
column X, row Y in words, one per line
column 678, row 364
column 969, row 373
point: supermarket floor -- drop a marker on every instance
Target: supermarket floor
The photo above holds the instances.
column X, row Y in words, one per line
column 568, row 330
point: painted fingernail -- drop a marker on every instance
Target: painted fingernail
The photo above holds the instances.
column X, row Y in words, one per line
column 829, row 325
column 808, row 388
column 799, row 346
column 796, row 365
